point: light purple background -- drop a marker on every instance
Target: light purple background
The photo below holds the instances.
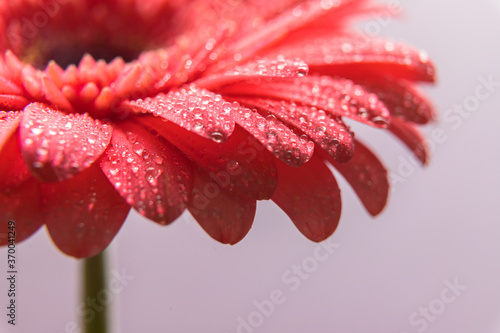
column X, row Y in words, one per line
column 442, row 223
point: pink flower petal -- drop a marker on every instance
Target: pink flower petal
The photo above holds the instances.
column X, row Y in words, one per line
column 8, row 87
column 402, row 99
column 126, row 82
column 294, row 18
column 13, row 66
column 54, row 94
column 328, row 132
column 56, row 146
column 225, row 216
column 310, row 196
column 367, row 176
column 241, row 165
column 280, row 140
column 260, row 70
column 356, row 57
column 150, row 174
column 197, row 110
column 12, row 102
column 411, row 137
column 83, row 213
column 9, row 122
column 15, row 172
column 17, row 187
column 340, row 97
column 28, row 218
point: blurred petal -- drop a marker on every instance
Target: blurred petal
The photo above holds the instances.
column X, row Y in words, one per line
column 28, row 218
column 300, row 15
column 339, row 97
column 15, row 172
column 83, row 213
column 19, row 195
column 262, row 70
column 12, row 102
column 367, row 176
column 225, row 216
column 8, row 87
column 402, row 99
column 9, row 122
column 411, row 137
column 310, row 196
column 239, row 165
column 356, row 56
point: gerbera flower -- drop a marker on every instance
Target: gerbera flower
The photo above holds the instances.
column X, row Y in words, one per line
column 208, row 106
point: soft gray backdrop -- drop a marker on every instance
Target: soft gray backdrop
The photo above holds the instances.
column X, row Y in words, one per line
column 435, row 248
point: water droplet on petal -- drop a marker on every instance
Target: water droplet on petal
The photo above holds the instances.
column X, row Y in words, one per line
column 217, row 137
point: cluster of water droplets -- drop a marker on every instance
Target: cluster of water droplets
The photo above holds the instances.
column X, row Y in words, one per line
column 144, row 176
column 195, row 109
column 280, row 67
column 260, row 70
column 368, row 178
column 357, row 48
column 369, row 50
column 63, row 144
column 276, row 137
column 403, row 100
column 338, row 97
column 318, row 126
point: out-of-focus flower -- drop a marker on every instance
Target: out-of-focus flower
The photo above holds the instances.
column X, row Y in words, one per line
column 204, row 105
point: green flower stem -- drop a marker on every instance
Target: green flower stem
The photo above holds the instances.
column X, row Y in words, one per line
column 94, row 319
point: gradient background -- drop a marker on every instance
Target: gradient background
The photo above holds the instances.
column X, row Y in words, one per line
column 442, row 223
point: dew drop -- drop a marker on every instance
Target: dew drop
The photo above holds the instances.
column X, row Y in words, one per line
column 91, row 138
column 217, row 137
column 378, row 120
column 36, row 130
column 232, row 165
column 158, row 160
column 138, row 148
column 114, row 171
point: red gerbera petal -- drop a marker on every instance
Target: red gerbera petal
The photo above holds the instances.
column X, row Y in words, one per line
column 57, row 146
column 402, row 99
column 310, row 196
column 12, row 102
column 152, row 176
column 225, row 216
column 367, row 176
column 340, row 97
column 197, row 110
column 28, row 219
column 328, row 132
column 355, row 57
column 261, row 70
column 83, row 213
column 301, row 15
column 276, row 137
column 17, row 187
column 8, row 87
column 411, row 137
column 240, row 165
column 9, row 122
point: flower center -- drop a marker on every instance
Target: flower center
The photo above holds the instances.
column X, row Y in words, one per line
column 65, row 30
